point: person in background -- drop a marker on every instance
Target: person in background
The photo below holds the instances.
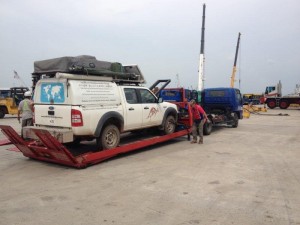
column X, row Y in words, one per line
column 26, row 109
column 155, row 90
column 199, row 118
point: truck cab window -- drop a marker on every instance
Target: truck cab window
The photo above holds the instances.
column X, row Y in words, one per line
column 239, row 96
column 4, row 93
column 269, row 89
column 130, row 95
column 147, row 96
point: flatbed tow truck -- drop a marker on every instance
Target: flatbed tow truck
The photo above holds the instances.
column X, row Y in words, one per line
column 47, row 146
column 48, row 149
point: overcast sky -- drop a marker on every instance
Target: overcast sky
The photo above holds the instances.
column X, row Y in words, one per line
column 161, row 36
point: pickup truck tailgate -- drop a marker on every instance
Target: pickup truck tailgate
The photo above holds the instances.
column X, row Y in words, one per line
column 53, row 115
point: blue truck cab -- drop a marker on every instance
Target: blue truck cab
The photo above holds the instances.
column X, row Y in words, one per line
column 223, row 105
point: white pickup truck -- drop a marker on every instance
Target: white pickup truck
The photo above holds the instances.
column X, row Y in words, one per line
column 74, row 108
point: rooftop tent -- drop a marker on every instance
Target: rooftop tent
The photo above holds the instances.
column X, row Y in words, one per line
column 88, row 65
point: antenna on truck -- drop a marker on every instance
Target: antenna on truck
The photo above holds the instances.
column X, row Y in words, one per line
column 201, row 59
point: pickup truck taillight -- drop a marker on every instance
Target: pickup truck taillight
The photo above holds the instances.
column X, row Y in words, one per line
column 76, row 118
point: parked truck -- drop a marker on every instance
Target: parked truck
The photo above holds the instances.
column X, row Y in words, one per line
column 10, row 99
column 273, row 97
column 81, row 99
column 222, row 105
column 74, row 106
column 254, row 99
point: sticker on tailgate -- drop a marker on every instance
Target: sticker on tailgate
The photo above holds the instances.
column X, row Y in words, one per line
column 52, row 93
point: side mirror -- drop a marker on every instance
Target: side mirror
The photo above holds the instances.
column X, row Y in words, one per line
column 160, row 100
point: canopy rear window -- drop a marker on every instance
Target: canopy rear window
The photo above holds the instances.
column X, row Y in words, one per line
column 52, row 93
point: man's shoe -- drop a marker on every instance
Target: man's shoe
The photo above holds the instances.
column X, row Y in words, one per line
column 200, row 142
column 193, row 142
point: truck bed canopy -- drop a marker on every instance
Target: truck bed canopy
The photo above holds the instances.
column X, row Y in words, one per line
column 88, row 65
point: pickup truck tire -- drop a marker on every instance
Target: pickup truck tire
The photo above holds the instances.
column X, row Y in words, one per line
column 170, row 125
column 235, row 121
column 207, row 128
column 2, row 114
column 109, row 138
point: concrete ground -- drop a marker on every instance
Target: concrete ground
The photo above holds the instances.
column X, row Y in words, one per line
column 245, row 175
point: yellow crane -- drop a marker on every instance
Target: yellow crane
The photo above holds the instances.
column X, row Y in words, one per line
column 234, row 65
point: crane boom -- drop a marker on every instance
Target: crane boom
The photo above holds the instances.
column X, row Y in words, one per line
column 201, row 59
column 234, row 65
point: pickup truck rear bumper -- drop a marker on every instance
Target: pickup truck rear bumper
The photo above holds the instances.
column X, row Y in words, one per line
column 63, row 135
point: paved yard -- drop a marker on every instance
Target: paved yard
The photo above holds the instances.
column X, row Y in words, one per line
column 244, row 175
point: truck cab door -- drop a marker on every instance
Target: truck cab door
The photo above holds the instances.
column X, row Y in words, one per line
column 133, row 110
column 152, row 110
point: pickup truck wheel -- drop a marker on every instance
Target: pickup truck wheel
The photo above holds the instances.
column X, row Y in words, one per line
column 235, row 121
column 170, row 125
column 207, row 128
column 109, row 138
column 2, row 114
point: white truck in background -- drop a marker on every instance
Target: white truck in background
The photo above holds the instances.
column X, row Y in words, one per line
column 273, row 97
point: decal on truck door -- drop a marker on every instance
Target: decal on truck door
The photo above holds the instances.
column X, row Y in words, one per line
column 52, row 93
column 153, row 112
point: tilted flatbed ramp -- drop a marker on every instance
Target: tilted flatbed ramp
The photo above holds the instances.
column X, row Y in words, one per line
column 5, row 142
column 48, row 149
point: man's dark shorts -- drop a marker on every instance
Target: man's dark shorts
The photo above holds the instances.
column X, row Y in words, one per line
column 27, row 122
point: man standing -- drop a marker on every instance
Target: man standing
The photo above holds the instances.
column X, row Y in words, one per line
column 199, row 118
column 26, row 109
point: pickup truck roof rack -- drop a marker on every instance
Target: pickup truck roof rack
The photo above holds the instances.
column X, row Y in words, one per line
column 82, row 67
column 98, row 78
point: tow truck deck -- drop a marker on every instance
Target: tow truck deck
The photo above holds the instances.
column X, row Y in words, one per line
column 49, row 149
